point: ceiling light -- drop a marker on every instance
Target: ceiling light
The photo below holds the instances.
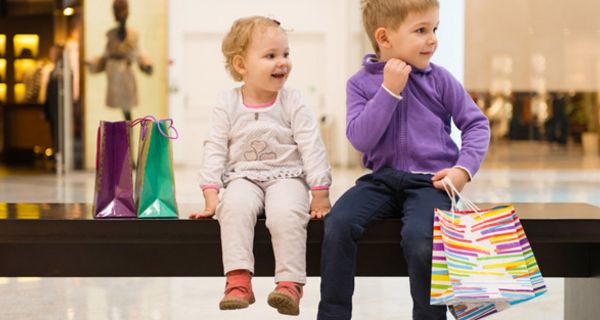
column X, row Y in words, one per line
column 68, row 11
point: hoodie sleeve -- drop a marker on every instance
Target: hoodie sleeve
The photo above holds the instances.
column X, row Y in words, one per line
column 473, row 124
column 367, row 119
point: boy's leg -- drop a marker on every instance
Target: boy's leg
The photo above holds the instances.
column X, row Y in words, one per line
column 241, row 203
column 286, row 208
column 417, row 240
column 372, row 197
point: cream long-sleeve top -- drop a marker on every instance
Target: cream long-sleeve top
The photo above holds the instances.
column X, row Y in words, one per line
column 261, row 143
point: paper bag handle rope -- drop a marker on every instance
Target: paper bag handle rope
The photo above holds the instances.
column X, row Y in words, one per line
column 152, row 118
column 453, row 192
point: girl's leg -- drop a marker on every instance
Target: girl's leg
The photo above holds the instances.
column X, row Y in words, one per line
column 286, row 208
column 241, row 203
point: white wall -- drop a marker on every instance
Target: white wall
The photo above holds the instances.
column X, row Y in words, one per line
column 451, row 49
column 451, row 34
column 322, row 51
column 327, row 44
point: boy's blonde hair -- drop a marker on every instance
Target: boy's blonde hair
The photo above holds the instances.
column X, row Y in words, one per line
column 390, row 14
column 238, row 39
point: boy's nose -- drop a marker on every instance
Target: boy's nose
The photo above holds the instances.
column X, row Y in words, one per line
column 432, row 41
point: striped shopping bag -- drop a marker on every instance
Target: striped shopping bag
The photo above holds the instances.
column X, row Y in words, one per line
column 482, row 262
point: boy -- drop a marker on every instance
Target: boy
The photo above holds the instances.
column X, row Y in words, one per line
column 399, row 109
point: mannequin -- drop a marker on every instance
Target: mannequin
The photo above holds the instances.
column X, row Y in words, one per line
column 122, row 50
column 52, row 76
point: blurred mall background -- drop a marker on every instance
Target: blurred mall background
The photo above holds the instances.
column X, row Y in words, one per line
column 533, row 66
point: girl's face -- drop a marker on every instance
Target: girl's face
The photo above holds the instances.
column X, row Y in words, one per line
column 415, row 41
column 266, row 64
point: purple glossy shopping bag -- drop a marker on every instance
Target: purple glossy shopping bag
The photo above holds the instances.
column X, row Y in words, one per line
column 114, row 182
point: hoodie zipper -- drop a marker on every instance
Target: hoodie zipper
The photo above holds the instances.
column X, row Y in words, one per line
column 403, row 122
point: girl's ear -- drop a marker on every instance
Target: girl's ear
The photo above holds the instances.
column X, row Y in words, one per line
column 381, row 36
column 239, row 64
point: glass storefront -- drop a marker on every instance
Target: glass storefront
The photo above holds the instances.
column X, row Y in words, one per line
column 34, row 35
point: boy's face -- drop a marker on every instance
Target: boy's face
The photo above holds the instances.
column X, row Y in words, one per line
column 414, row 41
column 266, row 62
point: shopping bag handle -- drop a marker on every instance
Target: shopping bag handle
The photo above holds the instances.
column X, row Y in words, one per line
column 152, row 118
column 453, row 192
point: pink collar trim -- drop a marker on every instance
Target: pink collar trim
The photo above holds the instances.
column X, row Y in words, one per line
column 260, row 106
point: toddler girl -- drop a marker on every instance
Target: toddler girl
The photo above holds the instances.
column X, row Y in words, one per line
column 265, row 149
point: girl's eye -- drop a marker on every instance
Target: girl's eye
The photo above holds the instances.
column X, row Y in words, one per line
column 287, row 54
column 421, row 30
column 435, row 30
column 270, row 56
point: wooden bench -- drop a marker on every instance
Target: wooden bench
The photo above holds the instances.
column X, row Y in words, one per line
column 63, row 240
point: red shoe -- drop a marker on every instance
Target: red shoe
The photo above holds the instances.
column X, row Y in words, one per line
column 286, row 298
column 238, row 291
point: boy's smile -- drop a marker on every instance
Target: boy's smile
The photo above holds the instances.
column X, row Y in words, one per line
column 414, row 41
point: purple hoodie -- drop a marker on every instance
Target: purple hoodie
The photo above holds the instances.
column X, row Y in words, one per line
column 413, row 134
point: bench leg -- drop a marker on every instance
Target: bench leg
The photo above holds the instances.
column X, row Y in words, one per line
column 581, row 298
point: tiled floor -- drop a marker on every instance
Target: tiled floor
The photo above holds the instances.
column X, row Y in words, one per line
column 518, row 172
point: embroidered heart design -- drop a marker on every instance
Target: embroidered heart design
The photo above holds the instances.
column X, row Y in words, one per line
column 258, row 146
column 250, row 156
column 268, row 156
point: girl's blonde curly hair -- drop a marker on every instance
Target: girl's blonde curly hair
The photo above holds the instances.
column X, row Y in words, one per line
column 238, row 39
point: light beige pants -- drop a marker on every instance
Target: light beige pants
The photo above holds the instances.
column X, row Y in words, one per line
column 286, row 206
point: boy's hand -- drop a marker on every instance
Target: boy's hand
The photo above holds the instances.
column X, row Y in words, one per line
column 319, row 205
column 395, row 75
column 211, row 200
column 458, row 176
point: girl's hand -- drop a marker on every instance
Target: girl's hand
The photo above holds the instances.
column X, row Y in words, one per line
column 395, row 75
column 211, row 200
column 319, row 205
column 206, row 213
column 458, row 176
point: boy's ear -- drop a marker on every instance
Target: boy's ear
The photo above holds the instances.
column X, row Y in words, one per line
column 239, row 64
column 381, row 36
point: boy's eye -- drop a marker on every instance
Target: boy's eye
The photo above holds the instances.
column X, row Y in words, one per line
column 420, row 30
column 287, row 54
column 270, row 56
column 435, row 29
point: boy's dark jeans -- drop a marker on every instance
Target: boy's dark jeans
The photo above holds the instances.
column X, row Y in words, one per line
column 383, row 194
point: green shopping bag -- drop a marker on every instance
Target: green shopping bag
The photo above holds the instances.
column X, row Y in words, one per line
column 155, row 182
